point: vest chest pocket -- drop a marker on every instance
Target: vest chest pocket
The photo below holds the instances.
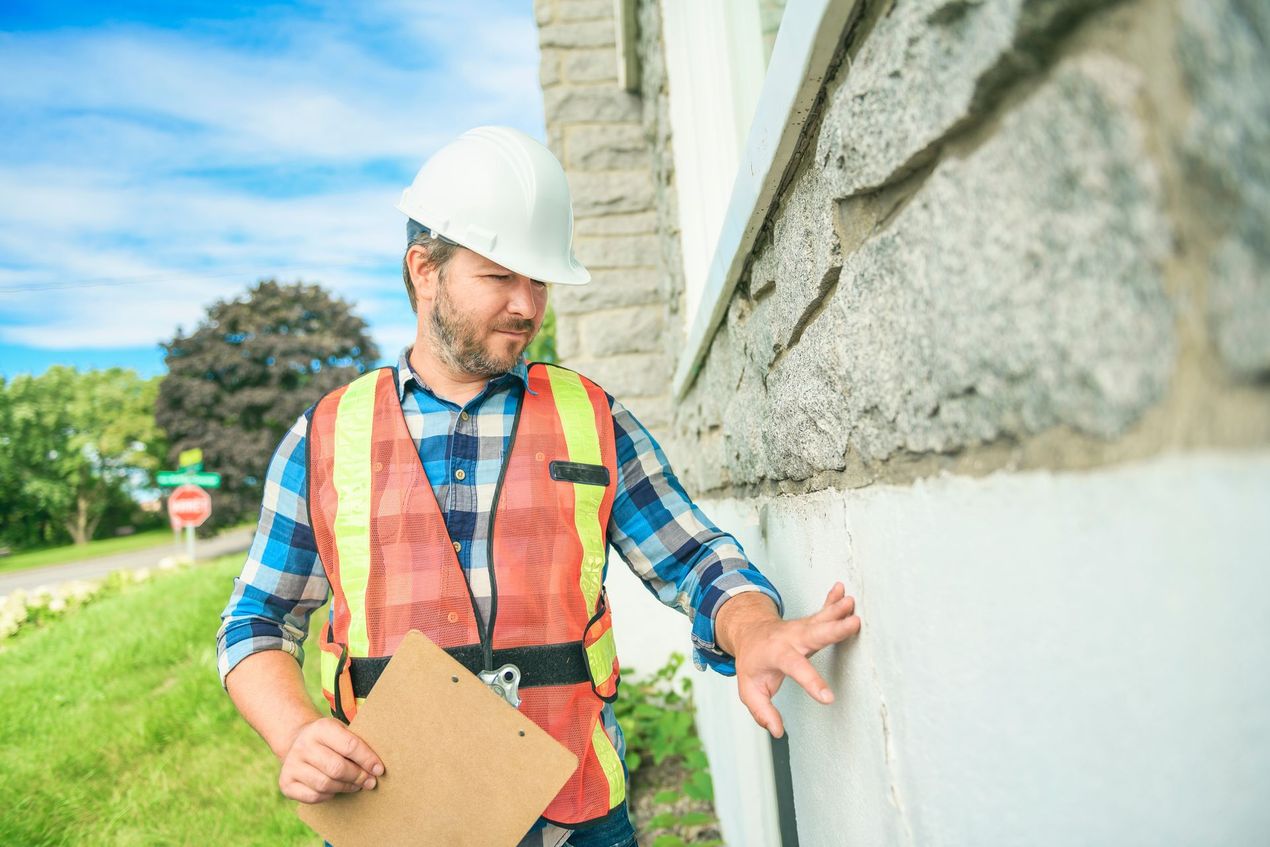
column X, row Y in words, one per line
column 579, row 472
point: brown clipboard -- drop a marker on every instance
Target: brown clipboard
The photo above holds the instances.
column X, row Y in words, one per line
column 462, row 767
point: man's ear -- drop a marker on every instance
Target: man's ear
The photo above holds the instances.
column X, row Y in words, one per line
column 422, row 273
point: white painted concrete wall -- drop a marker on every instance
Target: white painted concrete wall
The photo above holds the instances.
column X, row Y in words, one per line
column 645, row 631
column 1047, row 659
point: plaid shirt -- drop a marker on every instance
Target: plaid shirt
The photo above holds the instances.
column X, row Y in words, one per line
column 682, row 557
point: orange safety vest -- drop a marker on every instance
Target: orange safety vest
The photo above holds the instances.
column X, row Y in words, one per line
column 392, row 565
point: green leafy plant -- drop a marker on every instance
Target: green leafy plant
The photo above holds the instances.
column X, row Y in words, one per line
column 656, row 714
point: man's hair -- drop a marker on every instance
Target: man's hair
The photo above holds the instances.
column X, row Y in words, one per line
column 439, row 253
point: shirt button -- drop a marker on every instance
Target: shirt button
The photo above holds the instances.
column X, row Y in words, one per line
column 453, row 617
column 457, row 546
column 459, row 475
column 464, row 416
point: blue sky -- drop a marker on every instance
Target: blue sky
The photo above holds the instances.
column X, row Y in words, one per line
column 155, row 157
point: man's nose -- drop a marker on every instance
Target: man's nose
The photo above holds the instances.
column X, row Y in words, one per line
column 523, row 303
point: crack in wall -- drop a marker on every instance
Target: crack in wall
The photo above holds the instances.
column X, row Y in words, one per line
column 1016, row 73
column 890, row 758
column 825, row 290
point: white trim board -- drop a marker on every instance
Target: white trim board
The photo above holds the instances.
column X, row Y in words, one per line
column 809, row 35
column 714, row 65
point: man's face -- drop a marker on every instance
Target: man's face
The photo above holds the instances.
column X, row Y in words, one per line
column 483, row 316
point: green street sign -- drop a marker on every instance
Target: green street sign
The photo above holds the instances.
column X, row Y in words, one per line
column 171, row 479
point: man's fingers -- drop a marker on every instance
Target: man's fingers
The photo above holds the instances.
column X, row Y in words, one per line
column 840, row 606
column 801, row 671
column 345, row 742
column 759, row 702
column 303, row 793
column 824, row 633
column 343, row 774
column 309, row 784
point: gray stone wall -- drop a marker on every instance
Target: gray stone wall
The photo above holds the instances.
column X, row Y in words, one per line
column 1024, row 233
column 615, row 329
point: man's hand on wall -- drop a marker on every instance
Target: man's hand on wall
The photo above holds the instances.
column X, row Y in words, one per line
column 326, row 759
column 768, row 649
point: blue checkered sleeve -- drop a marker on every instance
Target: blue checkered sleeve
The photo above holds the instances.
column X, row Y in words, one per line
column 282, row 580
column 686, row 561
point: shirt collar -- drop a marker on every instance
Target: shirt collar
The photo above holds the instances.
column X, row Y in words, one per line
column 406, row 375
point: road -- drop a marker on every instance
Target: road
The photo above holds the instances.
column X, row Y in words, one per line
column 234, row 541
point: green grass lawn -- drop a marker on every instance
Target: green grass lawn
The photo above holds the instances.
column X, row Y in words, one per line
column 116, row 730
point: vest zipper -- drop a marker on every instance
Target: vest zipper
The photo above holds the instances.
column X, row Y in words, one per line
column 487, row 632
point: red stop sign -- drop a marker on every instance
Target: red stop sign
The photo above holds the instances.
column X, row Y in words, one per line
column 189, row 505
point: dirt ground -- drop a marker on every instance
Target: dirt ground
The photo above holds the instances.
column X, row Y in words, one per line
column 652, row 779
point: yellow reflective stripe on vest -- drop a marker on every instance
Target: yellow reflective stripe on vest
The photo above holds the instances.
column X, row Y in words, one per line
column 577, row 420
column 330, row 664
column 610, row 763
column 600, row 656
column 354, row 423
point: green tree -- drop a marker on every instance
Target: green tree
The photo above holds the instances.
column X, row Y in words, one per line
column 73, row 446
column 251, row 367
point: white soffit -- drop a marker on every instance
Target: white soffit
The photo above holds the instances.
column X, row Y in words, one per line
column 808, row 37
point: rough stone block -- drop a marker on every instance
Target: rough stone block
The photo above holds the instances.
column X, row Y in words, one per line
column 543, row 10
column 617, row 251
column 1222, row 46
column 653, row 412
column 571, row 35
column 549, row 68
column 591, row 65
column 607, row 147
column 1239, row 307
column 584, row 10
column 609, row 289
column 595, row 104
column 1038, row 304
column 926, row 66
column 635, row 329
column 635, row 223
column 630, row 375
column 610, row 192
column 568, row 340
column 555, row 139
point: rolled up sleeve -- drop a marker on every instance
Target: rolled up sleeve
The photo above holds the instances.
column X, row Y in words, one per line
column 282, row 581
column 686, row 561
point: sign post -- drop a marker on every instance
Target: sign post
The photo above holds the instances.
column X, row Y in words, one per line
column 189, row 506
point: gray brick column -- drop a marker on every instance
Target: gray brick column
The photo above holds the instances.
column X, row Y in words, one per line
column 615, row 329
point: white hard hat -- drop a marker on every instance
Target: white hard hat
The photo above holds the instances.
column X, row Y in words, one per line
column 501, row 194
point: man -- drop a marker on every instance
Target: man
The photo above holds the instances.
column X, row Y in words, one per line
column 473, row 497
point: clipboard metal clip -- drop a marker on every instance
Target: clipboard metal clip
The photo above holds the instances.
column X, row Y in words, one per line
column 504, row 682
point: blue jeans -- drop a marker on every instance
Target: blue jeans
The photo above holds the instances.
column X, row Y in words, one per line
column 614, row 831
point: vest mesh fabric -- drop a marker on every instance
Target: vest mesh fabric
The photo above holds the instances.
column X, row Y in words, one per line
column 392, row 567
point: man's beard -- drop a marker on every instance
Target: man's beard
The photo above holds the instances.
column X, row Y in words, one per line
column 457, row 340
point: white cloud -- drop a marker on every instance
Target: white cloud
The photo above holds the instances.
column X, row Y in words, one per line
column 169, row 169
